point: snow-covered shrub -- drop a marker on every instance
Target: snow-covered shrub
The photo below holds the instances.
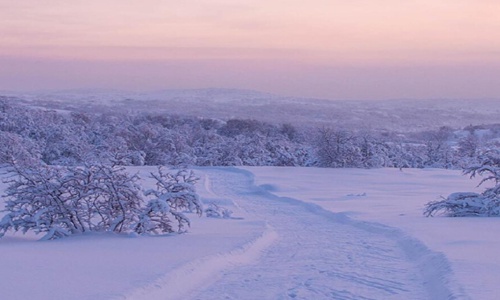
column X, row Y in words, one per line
column 61, row 201
column 472, row 204
column 463, row 204
column 174, row 194
column 216, row 211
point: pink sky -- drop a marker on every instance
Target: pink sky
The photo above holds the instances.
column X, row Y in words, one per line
column 338, row 49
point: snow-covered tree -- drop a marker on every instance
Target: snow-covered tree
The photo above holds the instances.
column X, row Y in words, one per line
column 337, row 149
column 473, row 204
column 174, row 194
column 468, row 148
column 61, row 201
column 373, row 152
column 137, row 138
column 15, row 149
column 439, row 154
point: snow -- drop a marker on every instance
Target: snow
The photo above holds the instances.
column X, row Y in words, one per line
column 396, row 199
column 295, row 233
column 104, row 266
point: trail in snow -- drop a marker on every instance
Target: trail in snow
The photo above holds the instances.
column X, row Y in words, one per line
column 181, row 282
column 321, row 255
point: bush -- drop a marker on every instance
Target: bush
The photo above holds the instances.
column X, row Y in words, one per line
column 464, row 204
column 216, row 211
column 62, row 201
column 174, row 194
column 472, row 204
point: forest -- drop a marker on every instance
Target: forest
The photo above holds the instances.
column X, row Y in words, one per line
column 31, row 134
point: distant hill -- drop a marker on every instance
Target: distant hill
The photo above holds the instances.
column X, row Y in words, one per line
column 399, row 115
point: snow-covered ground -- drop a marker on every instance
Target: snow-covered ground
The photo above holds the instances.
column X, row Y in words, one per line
column 296, row 233
column 396, row 199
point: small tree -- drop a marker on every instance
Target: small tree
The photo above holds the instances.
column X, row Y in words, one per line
column 337, row 149
column 472, row 204
column 174, row 194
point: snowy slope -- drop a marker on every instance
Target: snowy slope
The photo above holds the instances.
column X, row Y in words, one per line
column 104, row 266
column 323, row 255
column 396, row 199
column 297, row 233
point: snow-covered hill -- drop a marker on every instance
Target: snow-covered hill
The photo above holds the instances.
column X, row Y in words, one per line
column 296, row 233
column 401, row 115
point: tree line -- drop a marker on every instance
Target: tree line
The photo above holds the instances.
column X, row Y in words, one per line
column 66, row 138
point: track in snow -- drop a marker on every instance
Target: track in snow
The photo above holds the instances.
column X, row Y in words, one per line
column 322, row 255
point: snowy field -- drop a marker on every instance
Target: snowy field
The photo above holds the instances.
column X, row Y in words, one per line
column 296, row 233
